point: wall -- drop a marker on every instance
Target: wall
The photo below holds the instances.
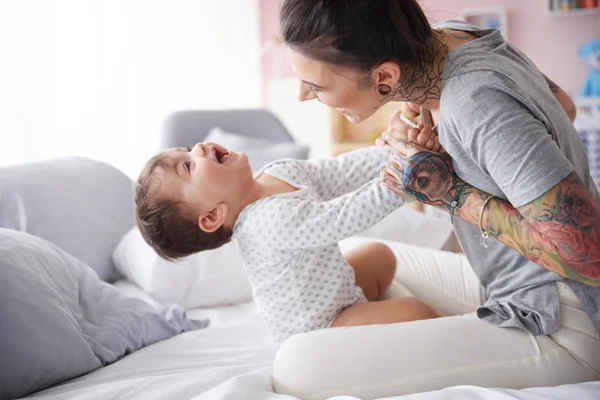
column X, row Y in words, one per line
column 550, row 42
column 97, row 78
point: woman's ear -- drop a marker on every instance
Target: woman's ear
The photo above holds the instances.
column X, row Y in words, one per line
column 387, row 73
column 212, row 220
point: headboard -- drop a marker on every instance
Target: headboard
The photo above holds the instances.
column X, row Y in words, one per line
column 187, row 127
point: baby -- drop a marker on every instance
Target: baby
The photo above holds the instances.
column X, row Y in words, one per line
column 288, row 221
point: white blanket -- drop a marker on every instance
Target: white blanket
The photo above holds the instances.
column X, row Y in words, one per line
column 232, row 360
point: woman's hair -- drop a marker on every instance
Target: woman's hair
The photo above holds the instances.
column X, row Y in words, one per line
column 359, row 34
column 165, row 224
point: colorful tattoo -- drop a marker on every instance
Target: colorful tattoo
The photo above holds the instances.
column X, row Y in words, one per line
column 427, row 176
column 559, row 231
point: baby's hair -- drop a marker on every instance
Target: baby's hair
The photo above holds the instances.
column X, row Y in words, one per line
column 167, row 225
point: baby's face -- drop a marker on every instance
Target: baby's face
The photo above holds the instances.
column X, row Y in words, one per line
column 203, row 176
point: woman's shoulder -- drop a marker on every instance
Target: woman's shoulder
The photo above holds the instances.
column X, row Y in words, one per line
column 474, row 88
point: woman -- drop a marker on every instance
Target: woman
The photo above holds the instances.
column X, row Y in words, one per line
column 528, row 294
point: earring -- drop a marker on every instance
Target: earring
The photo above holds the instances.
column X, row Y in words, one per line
column 384, row 89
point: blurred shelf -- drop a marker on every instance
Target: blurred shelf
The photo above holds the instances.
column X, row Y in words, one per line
column 339, row 148
column 575, row 8
column 487, row 18
column 575, row 13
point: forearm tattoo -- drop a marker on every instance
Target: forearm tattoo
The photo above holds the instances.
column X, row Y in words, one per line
column 428, row 177
column 559, row 231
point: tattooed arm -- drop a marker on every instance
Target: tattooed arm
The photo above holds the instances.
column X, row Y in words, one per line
column 560, row 230
column 563, row 98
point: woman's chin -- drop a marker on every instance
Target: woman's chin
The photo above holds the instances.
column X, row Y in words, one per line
column 357, row 118
column 354, row 119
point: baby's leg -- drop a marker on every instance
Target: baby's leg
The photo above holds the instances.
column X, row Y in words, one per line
column 374, row 267
column 402, row 309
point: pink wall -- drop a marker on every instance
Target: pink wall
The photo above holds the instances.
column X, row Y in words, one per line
column 551, row 42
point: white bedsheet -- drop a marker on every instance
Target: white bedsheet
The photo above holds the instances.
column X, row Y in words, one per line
column 232, row 360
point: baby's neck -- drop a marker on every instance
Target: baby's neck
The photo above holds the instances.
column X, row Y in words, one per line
column 271, row 186
column 265, row 186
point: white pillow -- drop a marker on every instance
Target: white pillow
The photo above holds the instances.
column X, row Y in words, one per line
column 210, row 278
column 260, row 151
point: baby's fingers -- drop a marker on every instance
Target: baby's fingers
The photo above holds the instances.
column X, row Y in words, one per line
column 410, row 110
column 431, row 144
column 438, row 148
column 413, row 135
column 425, row 135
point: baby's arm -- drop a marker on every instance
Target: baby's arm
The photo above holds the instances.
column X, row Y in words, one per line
column 304, row 223
column 336, row 176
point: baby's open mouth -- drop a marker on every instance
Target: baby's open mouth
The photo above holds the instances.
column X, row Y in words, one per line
column 221, row 156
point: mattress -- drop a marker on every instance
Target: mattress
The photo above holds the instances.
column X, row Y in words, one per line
column 232, row 360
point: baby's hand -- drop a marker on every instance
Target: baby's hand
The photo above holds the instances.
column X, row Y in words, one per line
column 423, row 135
column 401, row 126
column 409, row 110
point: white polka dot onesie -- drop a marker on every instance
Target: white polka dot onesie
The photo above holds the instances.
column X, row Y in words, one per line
column 289, row 241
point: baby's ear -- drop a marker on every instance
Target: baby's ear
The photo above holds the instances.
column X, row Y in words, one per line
column 212, row 220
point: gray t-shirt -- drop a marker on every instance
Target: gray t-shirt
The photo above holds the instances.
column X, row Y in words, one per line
column 508, row 136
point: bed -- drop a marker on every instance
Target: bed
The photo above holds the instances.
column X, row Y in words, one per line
column 85, row 209
column 232, row 361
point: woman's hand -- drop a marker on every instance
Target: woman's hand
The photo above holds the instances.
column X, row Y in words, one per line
column 418, row 173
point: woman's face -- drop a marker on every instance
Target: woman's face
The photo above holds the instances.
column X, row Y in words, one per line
column 352, row 93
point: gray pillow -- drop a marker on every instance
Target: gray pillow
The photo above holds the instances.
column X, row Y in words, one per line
column 59, row 321
column 83, row 206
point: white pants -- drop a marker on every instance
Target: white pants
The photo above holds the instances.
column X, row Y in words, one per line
column 390, row 360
